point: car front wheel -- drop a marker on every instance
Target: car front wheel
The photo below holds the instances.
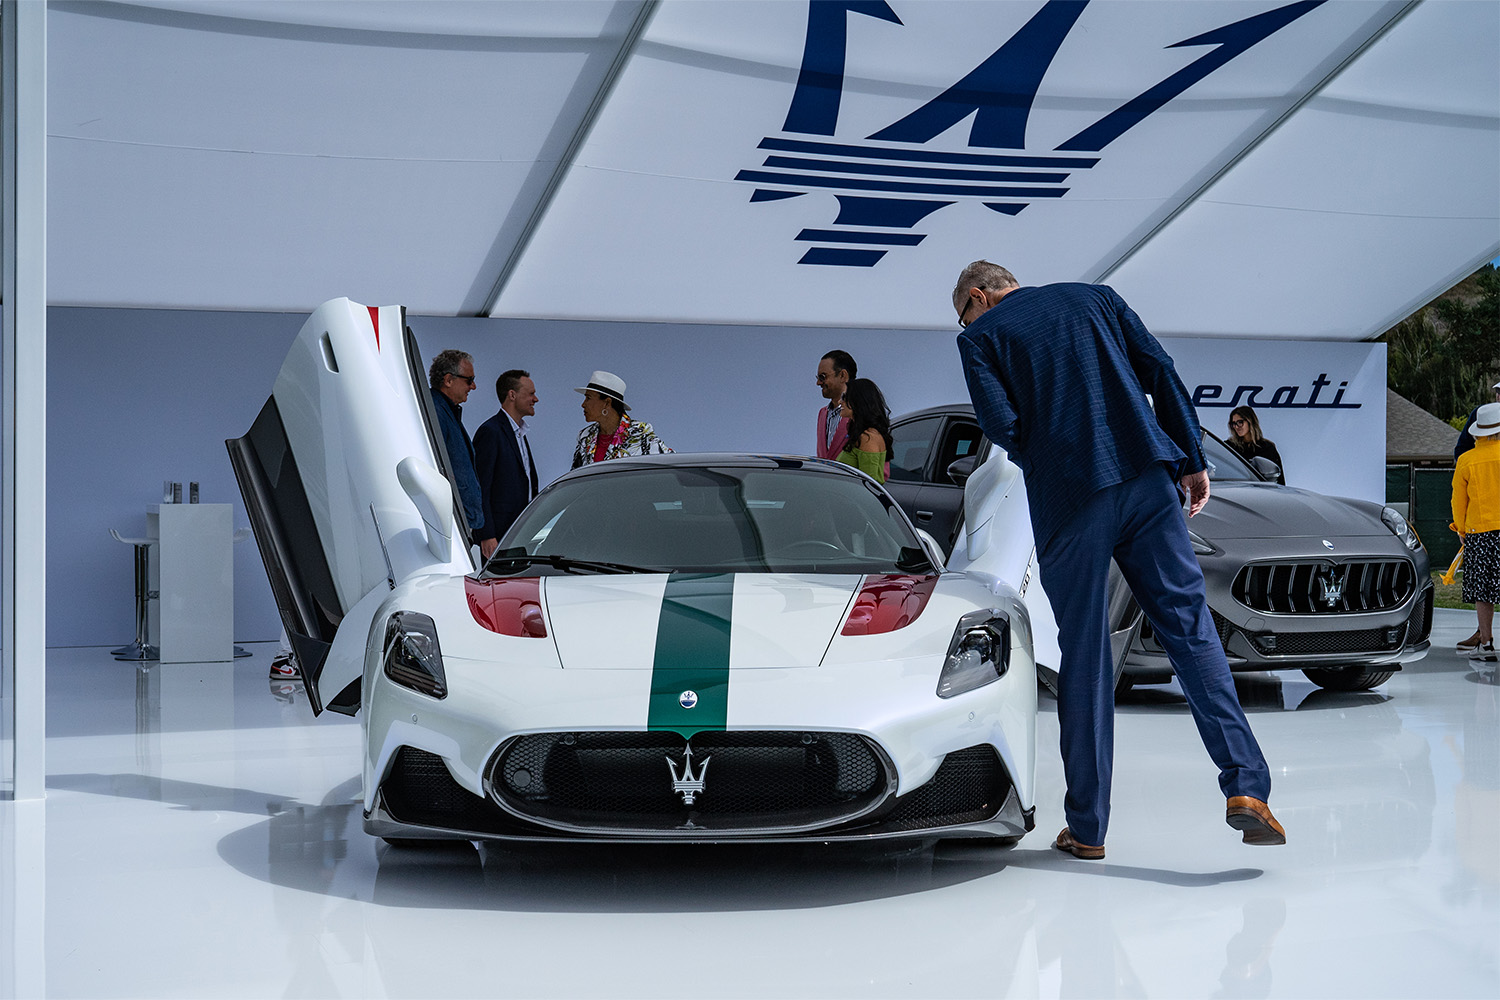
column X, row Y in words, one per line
column 1348, row 678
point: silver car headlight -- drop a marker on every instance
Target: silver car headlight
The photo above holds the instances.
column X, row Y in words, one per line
column 413, row 658
column 1400, row 528
column 978, row 655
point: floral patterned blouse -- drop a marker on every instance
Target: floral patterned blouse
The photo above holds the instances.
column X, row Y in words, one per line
column 632, row 437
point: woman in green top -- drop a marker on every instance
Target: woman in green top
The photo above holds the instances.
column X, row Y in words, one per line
column 869, row 419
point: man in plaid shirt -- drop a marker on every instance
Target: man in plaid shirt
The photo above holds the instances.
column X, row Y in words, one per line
column 1059, row 375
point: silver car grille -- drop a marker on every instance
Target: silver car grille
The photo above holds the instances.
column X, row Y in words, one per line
column 1323, row 587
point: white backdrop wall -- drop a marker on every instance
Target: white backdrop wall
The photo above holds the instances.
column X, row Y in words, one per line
column 1323, row 404
column 138, row 396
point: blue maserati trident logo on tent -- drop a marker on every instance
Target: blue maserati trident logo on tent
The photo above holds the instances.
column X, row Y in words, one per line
column 689, row 785
column 891, row 181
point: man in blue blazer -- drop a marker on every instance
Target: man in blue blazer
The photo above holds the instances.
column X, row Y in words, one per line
column 1059, row 376
column 502, row 458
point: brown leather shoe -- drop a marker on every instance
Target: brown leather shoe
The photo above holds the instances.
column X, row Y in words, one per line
column 1253, row 817
column 1065, row 842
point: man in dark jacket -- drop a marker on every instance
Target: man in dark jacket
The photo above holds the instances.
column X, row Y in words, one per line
column 451, row 378
column 1059, row 376
column 1465, row 439
column 502, row 458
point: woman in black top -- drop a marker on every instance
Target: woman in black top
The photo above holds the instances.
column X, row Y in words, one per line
column 1248, row 442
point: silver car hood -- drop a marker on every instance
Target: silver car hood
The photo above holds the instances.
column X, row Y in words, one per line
column 1266, row 510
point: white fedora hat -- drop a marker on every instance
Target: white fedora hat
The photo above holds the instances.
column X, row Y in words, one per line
column 1486, row 421
column 606, row 384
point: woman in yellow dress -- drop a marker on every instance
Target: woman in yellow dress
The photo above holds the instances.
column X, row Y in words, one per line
column 869, row 445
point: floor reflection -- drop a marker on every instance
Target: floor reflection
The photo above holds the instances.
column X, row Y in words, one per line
column 1476, row 799
column 1247, row 956
column 304, row 847
column 1258, row 692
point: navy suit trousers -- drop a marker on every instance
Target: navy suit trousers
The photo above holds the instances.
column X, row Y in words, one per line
column 1138, row 523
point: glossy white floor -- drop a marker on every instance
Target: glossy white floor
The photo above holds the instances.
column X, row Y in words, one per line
column 200, row 838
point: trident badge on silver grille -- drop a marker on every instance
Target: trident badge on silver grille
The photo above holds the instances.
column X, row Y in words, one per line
column 689, row 786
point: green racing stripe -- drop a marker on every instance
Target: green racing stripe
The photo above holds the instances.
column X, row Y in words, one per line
column 692, row 654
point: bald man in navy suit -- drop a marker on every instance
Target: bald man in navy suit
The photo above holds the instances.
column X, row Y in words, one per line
column 1059, row 376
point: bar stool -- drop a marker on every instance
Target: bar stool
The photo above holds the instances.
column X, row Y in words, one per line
column 140, row 649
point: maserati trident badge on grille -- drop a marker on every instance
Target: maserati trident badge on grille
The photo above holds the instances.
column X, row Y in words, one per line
column 688, row 699
column 1327, row 545
column 689, row 786
column 1331, row 585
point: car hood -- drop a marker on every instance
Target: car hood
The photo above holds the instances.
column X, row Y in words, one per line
column 1265, row 510
column 640, row 621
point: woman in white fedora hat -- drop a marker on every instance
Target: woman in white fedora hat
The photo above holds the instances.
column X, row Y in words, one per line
column 610, row 431
column 1476, row 516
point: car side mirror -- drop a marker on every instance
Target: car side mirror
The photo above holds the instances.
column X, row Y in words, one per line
column 1266, row 468
column 960, row 470
column 432, row 495
column 934, row 550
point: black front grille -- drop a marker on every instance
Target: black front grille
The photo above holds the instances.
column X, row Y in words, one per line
column 970, row 786
column 752, row 781
column 1364, row 640
column 420, row 790
column 1320, row 586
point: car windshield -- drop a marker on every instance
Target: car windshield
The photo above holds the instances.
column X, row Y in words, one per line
column 1224, row 464
column 711, row 519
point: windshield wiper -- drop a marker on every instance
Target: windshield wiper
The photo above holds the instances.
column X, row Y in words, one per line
column 563, row 563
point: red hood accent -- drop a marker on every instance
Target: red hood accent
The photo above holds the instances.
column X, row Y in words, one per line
column 375, row 322
column 887, row 603
column 512, row 606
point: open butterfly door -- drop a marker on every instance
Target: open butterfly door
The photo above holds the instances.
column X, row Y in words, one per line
column 347, row 486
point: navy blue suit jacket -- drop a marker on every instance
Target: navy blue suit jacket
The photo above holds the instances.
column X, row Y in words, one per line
column 503, row 477
column 1059, row 376
column 460, row 456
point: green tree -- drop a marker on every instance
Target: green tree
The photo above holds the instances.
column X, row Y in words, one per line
column 1445, row 356
column 1474, row 338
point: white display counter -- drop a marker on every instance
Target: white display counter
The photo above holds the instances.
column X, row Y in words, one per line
column 192, row 575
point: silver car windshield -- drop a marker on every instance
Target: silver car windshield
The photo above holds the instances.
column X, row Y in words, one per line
column 1224, row 464
column 720, row 519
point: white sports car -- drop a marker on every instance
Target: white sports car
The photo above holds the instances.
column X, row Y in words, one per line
column 674, row 648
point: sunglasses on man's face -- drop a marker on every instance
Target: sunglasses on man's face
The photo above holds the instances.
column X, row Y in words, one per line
column 464, row 378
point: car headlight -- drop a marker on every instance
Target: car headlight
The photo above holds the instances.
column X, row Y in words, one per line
column 1200, row 546
column 412, row 656
column 978, row 655
column 1400, row 528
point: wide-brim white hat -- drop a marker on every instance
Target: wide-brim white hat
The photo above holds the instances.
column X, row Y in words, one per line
column 606, row 384
column 1486, row 421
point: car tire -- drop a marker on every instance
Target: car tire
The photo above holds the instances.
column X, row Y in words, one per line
column 1348, row 678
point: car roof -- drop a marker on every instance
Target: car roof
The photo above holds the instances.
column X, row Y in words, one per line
column 716, row 460
column 947, row 409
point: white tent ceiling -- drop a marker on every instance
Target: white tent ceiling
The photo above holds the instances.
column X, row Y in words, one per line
column 1255, row 168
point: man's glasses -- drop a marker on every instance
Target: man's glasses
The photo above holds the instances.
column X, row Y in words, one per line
column 465, row 378
column 963, row 324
